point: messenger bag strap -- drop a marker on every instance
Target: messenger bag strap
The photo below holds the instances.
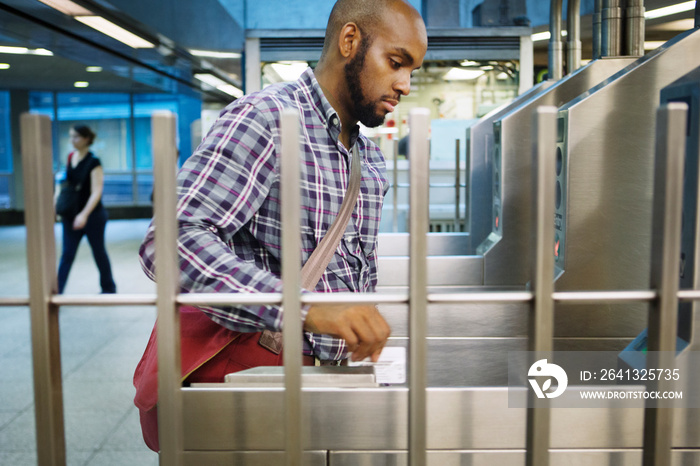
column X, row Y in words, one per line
column 313, row 269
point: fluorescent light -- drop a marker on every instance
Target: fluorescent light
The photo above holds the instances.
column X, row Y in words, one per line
column 117, row 32
column 669, row 10
column 231, row 90
column 538, row 36
column 93, row 69
column 4, row 66
column 219, row 84
column 67, row 7
column 214, row 54
column 544, row 35
column 502, row 76
column 81, row 84
column 289, row 71
column 25, row 51
column 458, row 74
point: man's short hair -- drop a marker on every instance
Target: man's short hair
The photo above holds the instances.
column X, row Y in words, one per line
column 367, row 14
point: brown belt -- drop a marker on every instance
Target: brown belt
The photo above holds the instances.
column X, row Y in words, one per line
column 308, row 360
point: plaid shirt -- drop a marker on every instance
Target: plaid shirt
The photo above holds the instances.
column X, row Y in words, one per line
column 229, row 207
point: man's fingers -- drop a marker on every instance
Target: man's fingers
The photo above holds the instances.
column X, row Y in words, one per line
column 362, row 327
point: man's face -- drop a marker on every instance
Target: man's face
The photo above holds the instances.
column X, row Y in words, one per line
column 380, row 72
column 364, row 109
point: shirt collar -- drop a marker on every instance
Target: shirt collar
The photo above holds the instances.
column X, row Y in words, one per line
column 326, row 111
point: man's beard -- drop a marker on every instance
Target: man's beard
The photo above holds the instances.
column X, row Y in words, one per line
column 363, row 110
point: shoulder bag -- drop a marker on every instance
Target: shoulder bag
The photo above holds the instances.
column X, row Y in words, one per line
column 67, row 204
column 201, row 338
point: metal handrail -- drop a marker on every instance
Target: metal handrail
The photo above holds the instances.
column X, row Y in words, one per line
column 495, row 296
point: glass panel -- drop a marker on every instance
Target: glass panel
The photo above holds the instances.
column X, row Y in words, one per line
column 108, row 116
column 5, row 135
column 118, row 190
column 144, row 106
column 5, row 192
column 145, row 188
column 42, row 103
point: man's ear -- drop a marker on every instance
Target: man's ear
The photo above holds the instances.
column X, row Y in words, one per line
column 348, row 40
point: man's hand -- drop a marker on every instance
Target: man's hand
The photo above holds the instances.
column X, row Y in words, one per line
column 361, row 326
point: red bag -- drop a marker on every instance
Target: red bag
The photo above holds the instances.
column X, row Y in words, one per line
column 204, row 345
column 200, row 340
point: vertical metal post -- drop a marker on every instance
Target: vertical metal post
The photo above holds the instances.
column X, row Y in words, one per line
column 556, row 49
column 467, row 190
column 665, row 263
column 170, row 432
column 597, row 28
column 418, row 156
column 526, row 77
column 41, row 261
column 541, row 332
column 132, row 147
column 573, row 27
column 635, row 28
column 458, row 183
column 253, row 75
column 611, row 20
column 395, row 186
column 291, row 298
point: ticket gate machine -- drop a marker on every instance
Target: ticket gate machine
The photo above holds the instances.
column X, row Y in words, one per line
column 686, row 90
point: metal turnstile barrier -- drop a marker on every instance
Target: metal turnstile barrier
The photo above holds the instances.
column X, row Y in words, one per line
column 412, row 425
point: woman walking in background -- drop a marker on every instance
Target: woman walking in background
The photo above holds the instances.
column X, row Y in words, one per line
column 84, row 174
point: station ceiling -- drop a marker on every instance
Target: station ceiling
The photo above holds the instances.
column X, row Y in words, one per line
column 179, row 27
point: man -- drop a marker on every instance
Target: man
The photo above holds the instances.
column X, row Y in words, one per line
column 229, row 211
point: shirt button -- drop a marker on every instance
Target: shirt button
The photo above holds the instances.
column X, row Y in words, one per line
column 334, row 121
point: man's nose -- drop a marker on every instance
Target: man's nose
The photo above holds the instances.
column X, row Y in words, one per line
column 403, row 85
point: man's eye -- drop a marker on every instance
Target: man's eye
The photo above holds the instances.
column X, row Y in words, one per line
column 394, row 64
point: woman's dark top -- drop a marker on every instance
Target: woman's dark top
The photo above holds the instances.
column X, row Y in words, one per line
column 79, row 177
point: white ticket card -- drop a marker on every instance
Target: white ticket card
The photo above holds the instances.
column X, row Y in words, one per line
column 391, row 367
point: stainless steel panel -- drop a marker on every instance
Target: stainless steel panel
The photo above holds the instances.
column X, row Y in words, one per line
column 483, row 362
column 505, row 458
column 479, row 144
column 435, row 458
column 376, row 419
column 507, row 252
column 311, row 376
column 250, row 458
column 439, row 244
column 609, row 150
column 441, row 271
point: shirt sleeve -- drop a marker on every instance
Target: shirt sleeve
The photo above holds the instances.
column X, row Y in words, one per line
column 220, row 188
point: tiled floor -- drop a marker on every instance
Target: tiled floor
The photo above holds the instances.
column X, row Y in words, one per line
column 99, row 350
